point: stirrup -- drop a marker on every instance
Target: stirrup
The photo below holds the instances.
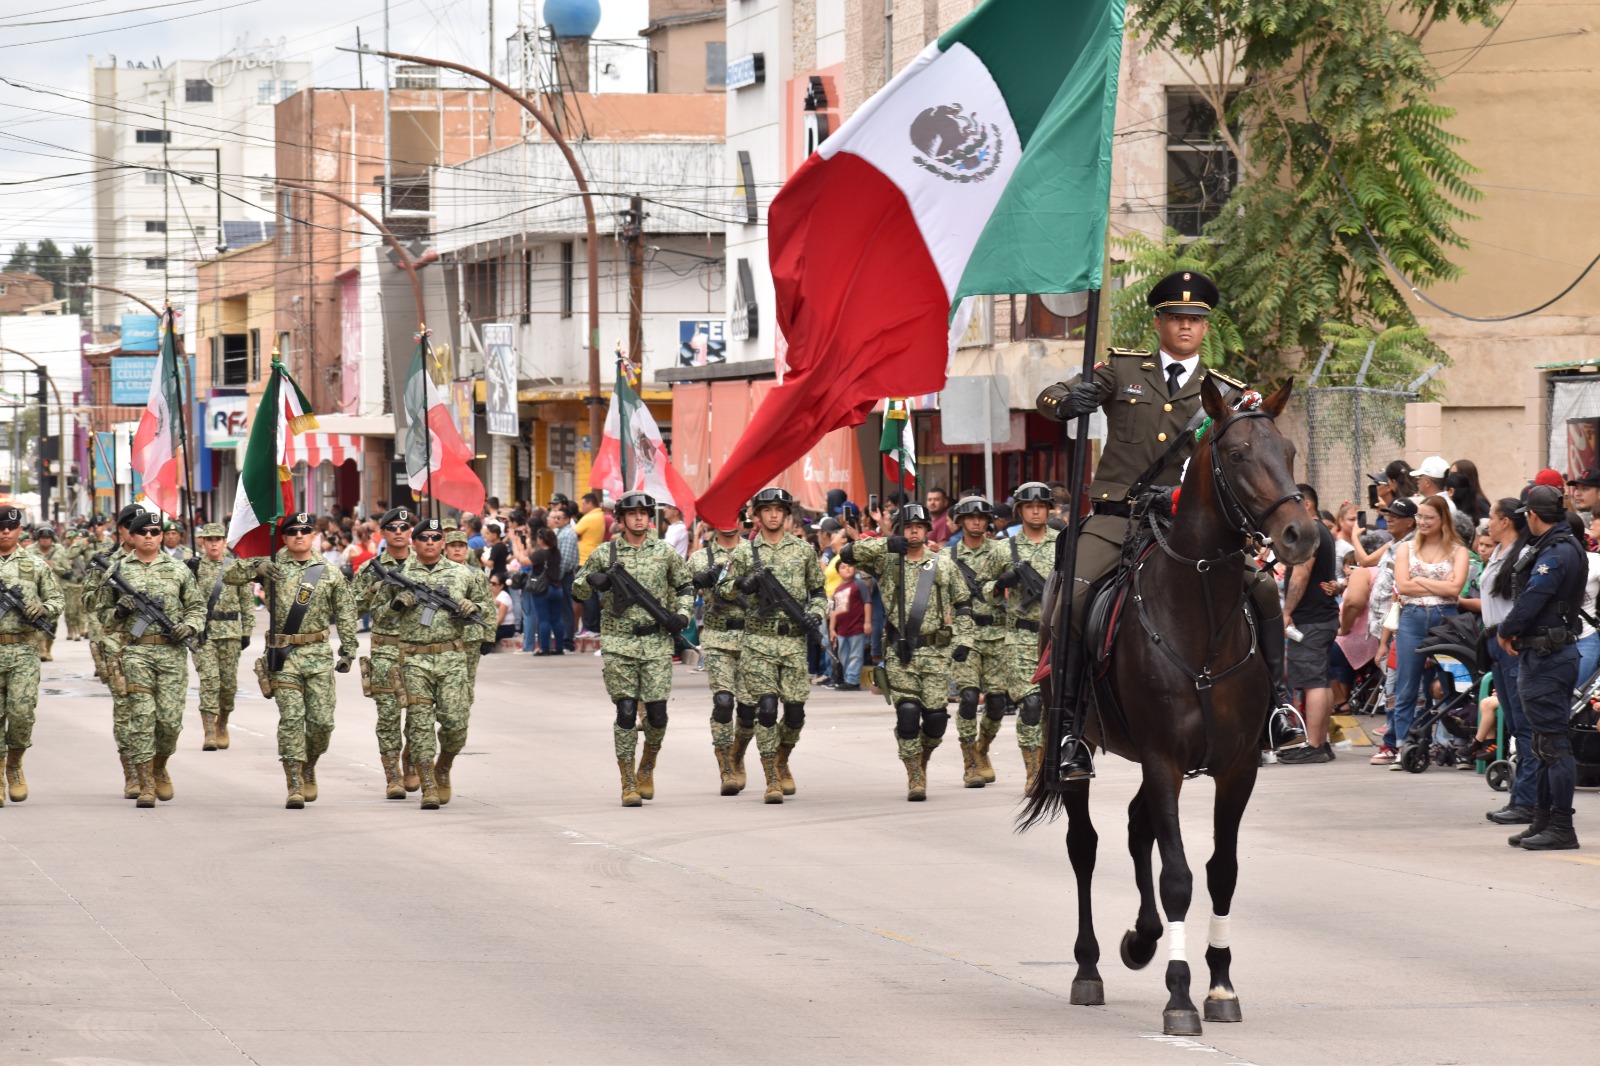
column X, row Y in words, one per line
column 1294, row 728
column 1078, row 762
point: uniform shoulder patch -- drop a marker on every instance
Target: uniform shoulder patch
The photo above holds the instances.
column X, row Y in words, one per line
column 1138, row 353
column 1235, row 382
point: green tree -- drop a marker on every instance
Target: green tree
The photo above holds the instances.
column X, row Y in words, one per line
column 1341, row 136
column 51, row 265
column 21, row 261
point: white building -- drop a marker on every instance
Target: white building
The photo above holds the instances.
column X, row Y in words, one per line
column 163, row 134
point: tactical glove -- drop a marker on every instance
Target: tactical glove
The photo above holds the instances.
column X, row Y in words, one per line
column 467, row 608
column 181, row 632
column 343, row 665
column 961, row 653
column 244, row 642
column 405, row 600
column 193, row 563
column 599, row 581
column 271, row 571
column 898, row 545
column 677, row 623
column 33, row 610
column 1061, row 403
column 1008, row 580
column 706, row 578
column 748, row 583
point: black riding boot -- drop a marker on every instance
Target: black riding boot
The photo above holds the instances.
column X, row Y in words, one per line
column 1285, row 728
column 1077, row 759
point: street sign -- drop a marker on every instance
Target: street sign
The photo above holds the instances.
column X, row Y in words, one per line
column 975, row 409
column 130, row 379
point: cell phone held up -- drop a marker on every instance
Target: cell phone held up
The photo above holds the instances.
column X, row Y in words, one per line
column 872, row 503
column 1372, row 497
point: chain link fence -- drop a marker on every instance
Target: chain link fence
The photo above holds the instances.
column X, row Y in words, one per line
column 1354, row 427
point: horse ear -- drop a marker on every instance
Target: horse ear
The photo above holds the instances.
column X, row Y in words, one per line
column 1275, row 403
column 1211, row 400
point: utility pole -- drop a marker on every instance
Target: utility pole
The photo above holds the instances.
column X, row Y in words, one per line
column 633, row 234
column 44, row 441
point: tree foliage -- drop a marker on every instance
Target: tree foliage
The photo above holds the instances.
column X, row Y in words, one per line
column 1340, row 136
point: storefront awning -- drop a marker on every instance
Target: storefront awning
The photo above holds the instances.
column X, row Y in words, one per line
column 318, row 447
column 575, row 393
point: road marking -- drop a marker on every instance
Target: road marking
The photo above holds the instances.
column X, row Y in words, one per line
column 894, row 936
column 1584, row 859
column 1183, row 1043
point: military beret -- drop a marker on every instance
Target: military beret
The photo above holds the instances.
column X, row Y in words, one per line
column 212, row 529
column 397, row 514
column 171, row 526
column 429, row 525
column 10, row 516
column 128, row 513
column 1184, row 292
column 297, row 521
column 143, row 522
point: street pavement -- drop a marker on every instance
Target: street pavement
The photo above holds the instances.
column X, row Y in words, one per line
column 1379, row 918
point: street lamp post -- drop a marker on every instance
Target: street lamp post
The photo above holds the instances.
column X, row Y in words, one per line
column 593, row 399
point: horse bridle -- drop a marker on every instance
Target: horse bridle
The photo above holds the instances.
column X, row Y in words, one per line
column 1233, row 508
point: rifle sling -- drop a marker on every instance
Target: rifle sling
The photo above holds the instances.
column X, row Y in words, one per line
column 968, row 575
column 302, row 600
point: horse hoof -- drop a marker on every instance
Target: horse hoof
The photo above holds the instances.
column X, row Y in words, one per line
column 1180, row 1022
column 1136, row 954
column 1223, row 1010
column 1086, row 993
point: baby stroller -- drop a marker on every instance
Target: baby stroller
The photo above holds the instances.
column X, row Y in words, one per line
column 1441, row 732
column 1585, row 724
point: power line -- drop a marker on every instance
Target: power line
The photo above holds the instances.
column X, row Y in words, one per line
column 131, row 26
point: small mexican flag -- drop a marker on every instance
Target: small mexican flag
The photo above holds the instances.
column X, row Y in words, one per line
column 159, row 444
column 899, row 444
column 266, row 487
column 632, row 455
column 438, row 461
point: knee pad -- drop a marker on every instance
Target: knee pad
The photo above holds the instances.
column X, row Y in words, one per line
column 627, row 713
column 1551, row 747
column 655, row 714
column 994, row 706
column 908, row 719
column 968, row 708
column 722, row 707
column 934, row 723
column 747, row 716
column 1032, row 710
column 767, row 710
column 794, row 715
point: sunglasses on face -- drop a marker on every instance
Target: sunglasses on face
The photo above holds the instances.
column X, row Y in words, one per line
column 148, row 533
column 429, row 538
column 397, row 527
column 297, row 532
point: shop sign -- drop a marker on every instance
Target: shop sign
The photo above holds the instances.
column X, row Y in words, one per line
column 747, row 70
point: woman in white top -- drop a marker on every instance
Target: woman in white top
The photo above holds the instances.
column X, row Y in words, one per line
column 1429, row 574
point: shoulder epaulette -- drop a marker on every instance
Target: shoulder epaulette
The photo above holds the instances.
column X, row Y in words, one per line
column 1136, row 352
column 1231, row 381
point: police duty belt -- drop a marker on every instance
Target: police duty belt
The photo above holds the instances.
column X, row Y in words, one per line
column 297, row 613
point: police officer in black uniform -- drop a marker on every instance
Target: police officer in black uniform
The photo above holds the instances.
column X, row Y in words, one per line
column 1542, row 630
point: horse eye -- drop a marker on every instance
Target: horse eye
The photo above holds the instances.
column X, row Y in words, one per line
column 1235, row 457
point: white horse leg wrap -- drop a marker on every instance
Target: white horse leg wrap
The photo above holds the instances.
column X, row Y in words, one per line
column 1219, row 931
column 1177, row 946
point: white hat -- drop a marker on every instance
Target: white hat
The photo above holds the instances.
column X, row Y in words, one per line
column 1433, row 466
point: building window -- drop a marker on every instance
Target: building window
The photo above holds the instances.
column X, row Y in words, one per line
column 281, row 350
column 2, row 288
column 154, row 226
column 155, row 177
column 1200, row 169
column 286, row 227
column 652, row 73
column 270, row 92
column 255, row 355
column 235, row 360
column 155, row 264
column 716, row 65
column 152, row 136
column 567, row 273
column 216, row 368
column 745, row 191
column 196, row 91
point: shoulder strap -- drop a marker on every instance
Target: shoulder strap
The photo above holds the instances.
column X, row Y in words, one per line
column 216, row 592
column 919, row 603
column 302, row 599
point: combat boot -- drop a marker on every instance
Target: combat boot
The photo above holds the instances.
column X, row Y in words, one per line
column 130, row 777
column 441, row 775
column 730, row 784
column 394, row 788
column 785, row 778
column 208, row 722
column 220, row 737
column 928, row 749
column 740, row 743
column 16, row 784
column 1541, row 822
column 409, row 769
column 308, row 780
column 45, row 655
column 971, row 776
column 429, row 786
column 147, row 786
column 774, row 793
column 1032, row 760
column 645, row 777
column 297, row 787
column 630, row 788
column 980, row 754
column 916, row 779
column 163, row 780
column 1558, row 835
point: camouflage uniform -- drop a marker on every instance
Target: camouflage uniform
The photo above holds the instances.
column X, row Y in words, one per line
column 75, row 566
column 1022, row 639
column 434, row 665
column 772, row 666
column 482, row 630
column 228, row 625
column 984, row 669
column 381, row 674
column 19, row 658
column 103, row 646
column 919, row 686
column 721, row 638
column 636, row 655
column 303, row 686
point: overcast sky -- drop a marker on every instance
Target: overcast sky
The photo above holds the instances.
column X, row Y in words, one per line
column 54, row 53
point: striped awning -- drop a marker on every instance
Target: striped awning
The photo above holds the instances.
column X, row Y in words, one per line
column 316, row 448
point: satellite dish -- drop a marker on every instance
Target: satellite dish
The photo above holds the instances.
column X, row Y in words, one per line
column 1065, row 304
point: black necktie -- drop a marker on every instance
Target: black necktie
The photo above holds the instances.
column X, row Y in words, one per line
column 1174, row 375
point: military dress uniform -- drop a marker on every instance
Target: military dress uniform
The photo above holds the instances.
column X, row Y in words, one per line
column 1022, row 638
column 721, row 639
column 305, row 596
column 636, row 652
column 918, row 667
column 772, row 664
column 434, row 667
column 230, row 617
column 19, row 653
column 152, row 669
column 980, row 650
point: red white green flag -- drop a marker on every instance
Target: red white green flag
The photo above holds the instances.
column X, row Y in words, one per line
column 632, row 456
column 899, row 444
column 438, row 461
column 266, row 487
column 159, row 443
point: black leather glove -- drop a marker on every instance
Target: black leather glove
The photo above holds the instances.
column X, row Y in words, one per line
column 847, row 554
column 706, row 579
column 677, row 623
column 961, row 653
column 1061, row 403
column 1008, row 580
column 193, row 563
column 898, row 545
column 748, row 583
column 343, row 665
column 244, row 642
column 599, row 581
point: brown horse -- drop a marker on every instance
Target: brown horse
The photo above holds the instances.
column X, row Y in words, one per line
column 1185, row 691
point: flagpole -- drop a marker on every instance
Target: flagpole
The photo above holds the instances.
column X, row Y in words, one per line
column 185, row 392
column 275, row 390
column 427, row 436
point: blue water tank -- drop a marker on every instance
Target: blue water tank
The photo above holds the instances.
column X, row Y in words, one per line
column 572, row 18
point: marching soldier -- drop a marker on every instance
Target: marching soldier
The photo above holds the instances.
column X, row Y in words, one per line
column 39, row 604
column 1150, row 400
column 149, row 590
column 721, row 638
column 172, row 540
column 1029, row 557
column 55, row 560
column 305, row 596
column 635, row 647
column 104, row 642
column 230, row 616
column 77, row 549
column 380, row 673
column 779, row 571
column 981, row 653
column 919, row 594
column 458, row 552
column 433, row 658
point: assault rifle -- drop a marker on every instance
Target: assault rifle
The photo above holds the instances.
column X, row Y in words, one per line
column 11, row 600
column 145, row 610
column 1029, row 580
column 430, row 598
column 774, row 597
column 627, row 592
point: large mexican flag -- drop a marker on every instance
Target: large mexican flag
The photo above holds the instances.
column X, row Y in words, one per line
column 266, row 486
column 983, row 167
